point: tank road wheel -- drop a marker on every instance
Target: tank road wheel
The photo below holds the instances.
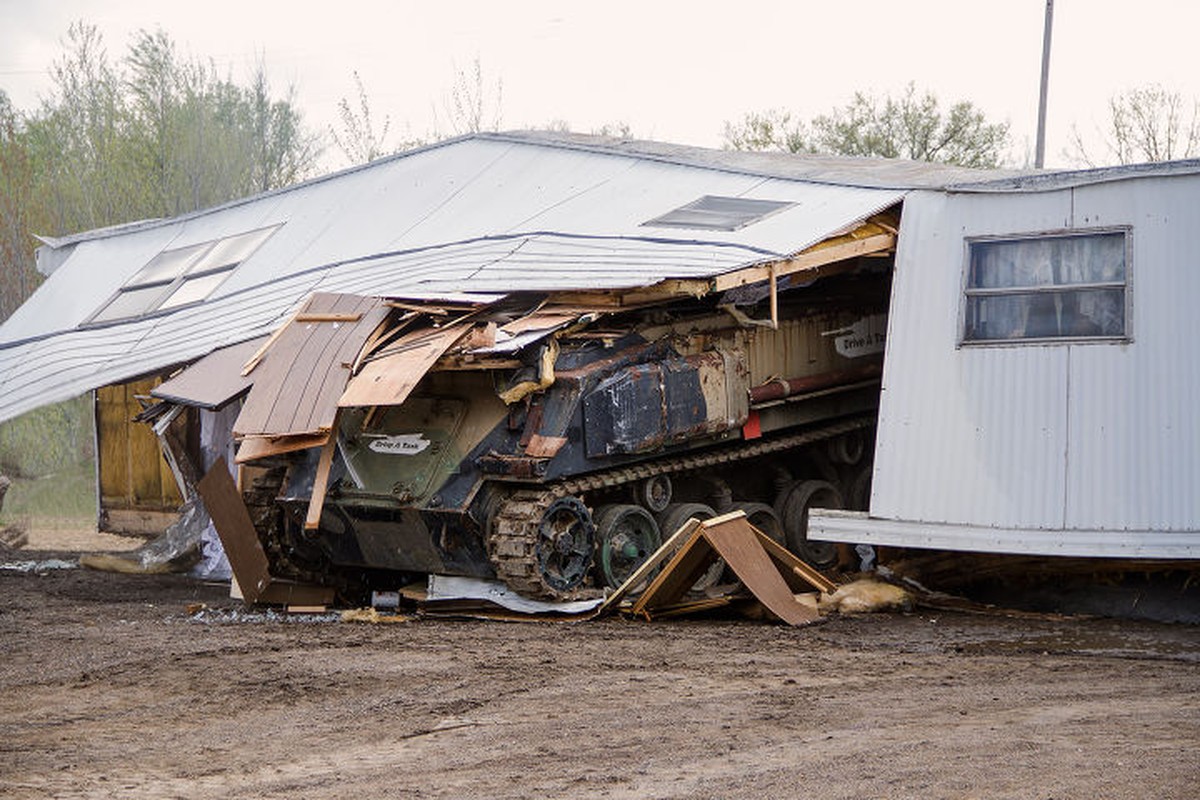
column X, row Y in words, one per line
column 541, row 545
column 627, row 535
column 792, row 506
column 654, row 493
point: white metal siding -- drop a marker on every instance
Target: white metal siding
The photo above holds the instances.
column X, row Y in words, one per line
column 1135, row 419
column 1082, row 439
column 973, row 434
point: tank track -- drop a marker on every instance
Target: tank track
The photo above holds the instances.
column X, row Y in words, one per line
column 512, row 542
column 512, row 533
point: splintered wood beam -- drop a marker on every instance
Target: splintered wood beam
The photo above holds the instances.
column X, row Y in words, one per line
column 321, row 481
column 661, row 292
column 811, row 259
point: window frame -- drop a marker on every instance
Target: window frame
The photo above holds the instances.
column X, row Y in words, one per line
column 966, row 291
column 170, row 286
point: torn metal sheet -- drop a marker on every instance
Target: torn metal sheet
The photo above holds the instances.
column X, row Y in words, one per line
column 446, row 587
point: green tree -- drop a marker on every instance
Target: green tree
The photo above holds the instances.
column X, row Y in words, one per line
column 774, row 129
column 1145, row 124
column 18, row 278
column 152, row 135
column 913, row 126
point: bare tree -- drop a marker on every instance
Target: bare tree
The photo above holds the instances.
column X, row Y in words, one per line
column 1145, row 124
column 472, row 104
column 358, row 140
column 18, row 278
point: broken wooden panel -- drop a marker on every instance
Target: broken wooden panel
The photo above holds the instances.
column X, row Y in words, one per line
column 869, row 238
column 252, row 448
column 213, row 380
column 541, row 320
column 387, row 378
column 648, row 567
column 247, row 559
column 308, row 366
column 730, row 537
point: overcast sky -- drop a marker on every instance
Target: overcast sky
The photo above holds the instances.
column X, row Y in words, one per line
column 671, row 71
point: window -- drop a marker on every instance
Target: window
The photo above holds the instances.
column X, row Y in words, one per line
column 718, row 213
column 1053, row 287
column 181, row 276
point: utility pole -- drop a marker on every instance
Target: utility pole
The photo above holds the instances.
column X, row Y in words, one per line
column 1039, row 159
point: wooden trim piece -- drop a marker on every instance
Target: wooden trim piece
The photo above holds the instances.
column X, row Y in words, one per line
column 328, row 317
column 789, row 562
column 812, row 258
column 321, row 481
column 249, row 366
column 253, row 448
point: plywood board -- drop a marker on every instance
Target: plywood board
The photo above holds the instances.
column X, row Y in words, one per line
column 247, row 559
column 213, row 380
column 732, row 538
column 253, row 448
column 736, row 542
column 388, row 378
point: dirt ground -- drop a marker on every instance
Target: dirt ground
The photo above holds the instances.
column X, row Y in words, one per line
column 109, row 688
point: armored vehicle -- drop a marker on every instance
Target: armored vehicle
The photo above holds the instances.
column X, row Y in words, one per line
column 553, row 441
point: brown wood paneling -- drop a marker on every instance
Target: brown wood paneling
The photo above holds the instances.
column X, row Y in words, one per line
column 145, row 458
column 214, row 380
column 112, row 433
column 305, row 371
column 138, row 492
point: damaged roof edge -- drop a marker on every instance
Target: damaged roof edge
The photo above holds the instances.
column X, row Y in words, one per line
column 1052, row 180
column 764, row 255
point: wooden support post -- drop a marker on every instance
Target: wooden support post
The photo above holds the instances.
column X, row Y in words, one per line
column 774, row 300
column 321, row 481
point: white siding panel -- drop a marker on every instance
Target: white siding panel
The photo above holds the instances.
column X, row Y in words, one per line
column 967, row 435
column 1135, row 434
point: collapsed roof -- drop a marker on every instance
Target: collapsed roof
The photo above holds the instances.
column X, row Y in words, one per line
column 471, row 219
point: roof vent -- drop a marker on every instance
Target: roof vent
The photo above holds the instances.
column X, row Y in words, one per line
column 715, row 213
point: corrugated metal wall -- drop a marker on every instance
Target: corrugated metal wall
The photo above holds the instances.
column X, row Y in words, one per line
column 1081, row 436
column 1134, row 436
